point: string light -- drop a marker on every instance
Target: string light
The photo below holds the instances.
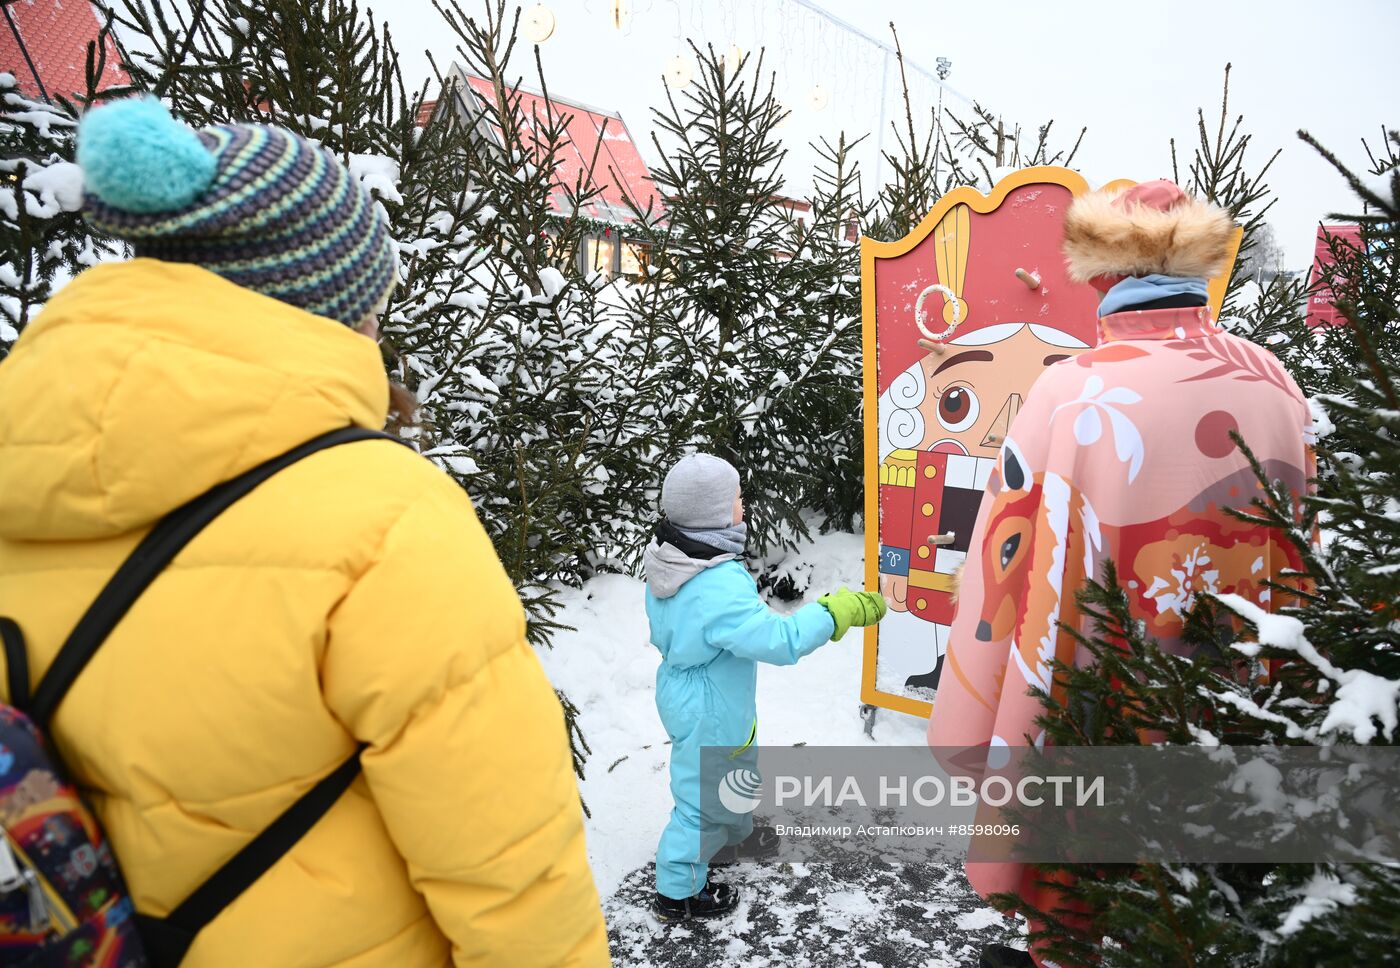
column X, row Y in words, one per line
column 539, row 23
column 620, row 14
column 679, row 71
column 823, row 63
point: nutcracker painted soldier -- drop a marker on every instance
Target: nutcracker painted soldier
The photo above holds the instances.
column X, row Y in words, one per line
column 969, row 311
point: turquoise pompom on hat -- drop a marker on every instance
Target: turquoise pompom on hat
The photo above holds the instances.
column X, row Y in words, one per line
column 258, row 205
column 136, row 157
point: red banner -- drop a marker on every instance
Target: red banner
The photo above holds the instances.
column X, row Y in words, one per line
column 1321, row 311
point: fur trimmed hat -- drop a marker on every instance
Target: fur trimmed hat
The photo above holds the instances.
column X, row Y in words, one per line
column 1150, row 228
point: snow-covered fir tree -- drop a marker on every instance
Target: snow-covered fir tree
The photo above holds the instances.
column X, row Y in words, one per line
column 755, row 345
column 532, row 383
column 827, row 249
column 43, row 237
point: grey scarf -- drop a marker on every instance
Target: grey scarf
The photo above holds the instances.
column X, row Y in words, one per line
column 730, row 540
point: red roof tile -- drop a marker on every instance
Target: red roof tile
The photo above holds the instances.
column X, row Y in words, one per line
column 55, row 34
column 618, row 171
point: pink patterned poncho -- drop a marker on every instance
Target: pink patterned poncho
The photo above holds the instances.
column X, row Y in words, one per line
column 1121, row 453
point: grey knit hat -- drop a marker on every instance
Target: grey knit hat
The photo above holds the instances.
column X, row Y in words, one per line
column 699, row 493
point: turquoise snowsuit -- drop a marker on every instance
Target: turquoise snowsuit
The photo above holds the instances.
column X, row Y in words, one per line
column 712, row 634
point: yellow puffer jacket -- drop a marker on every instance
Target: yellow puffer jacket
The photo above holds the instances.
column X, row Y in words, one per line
column 353, row 597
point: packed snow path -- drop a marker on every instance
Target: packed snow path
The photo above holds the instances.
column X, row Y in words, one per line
column 857, row 912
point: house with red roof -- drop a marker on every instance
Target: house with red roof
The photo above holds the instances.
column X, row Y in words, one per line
column 619, row 172
column 44, row 43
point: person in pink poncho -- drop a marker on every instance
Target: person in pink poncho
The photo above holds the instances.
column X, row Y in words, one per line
column 1121, row 453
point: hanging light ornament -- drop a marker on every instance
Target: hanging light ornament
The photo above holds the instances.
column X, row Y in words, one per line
column 819, row 98
column 620, row 14
column 679, row 72
column 732, row 58
column 539, row 23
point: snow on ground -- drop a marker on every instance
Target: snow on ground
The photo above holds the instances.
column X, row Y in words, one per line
column 859, row 912
column 855, row 912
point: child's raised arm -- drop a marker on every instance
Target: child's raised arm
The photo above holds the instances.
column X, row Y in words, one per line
column 748, row 628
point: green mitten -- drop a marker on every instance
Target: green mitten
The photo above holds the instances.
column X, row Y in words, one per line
column 849, row 609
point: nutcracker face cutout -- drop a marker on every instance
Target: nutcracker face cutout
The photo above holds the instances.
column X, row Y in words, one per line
column 961, row 317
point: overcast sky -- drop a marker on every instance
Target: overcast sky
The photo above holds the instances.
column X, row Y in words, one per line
column 1133, row 73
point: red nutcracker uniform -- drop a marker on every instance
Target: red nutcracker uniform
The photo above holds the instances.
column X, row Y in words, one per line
column 923, row 496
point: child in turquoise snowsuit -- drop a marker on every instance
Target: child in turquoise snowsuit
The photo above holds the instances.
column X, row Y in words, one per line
column 712, row 630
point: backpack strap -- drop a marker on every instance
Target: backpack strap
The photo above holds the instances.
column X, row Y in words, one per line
column 16, row 664
column 156, row 550
column 167, row 939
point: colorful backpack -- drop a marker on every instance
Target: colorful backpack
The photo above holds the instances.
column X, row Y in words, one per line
column 62, row 898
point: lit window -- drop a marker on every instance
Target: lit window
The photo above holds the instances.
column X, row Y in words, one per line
column 599, row 253
column 636, row 256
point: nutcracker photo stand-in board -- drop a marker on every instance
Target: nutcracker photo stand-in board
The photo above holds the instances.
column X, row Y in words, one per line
column 959, row 318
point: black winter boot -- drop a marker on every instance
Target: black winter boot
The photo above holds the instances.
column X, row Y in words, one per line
column 1003, row 956
column 714, row 900
column 762, row 843
column 927, row 680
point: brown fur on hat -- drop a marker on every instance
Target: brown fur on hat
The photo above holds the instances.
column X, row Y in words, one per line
column 1105, row 238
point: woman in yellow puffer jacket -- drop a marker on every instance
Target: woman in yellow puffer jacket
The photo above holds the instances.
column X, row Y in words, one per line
column 353, row 598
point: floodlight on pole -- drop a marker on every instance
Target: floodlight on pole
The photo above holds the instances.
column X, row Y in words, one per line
column 889, row 52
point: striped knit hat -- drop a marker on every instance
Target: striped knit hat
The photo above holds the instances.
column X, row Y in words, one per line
column 258, row 205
